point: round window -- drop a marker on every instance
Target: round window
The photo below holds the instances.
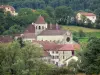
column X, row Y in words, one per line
column 68, row 39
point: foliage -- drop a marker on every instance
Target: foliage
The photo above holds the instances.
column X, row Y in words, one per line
column 16, row 24
column 90, row 60
column 63, row 14
column 98, row 22
column 81, row 33
column 85, row 5
column 72, row 66
column 26, row 60
column 75, row 37
column 9, row 24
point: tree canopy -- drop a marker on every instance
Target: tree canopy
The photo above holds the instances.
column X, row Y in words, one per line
column 74, row 4
column 90, row 57
column 26, row 60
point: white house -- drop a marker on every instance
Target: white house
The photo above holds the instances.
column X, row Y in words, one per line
column 8, row 8
column 90, row 16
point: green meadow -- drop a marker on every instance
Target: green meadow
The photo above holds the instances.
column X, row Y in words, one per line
column 88, row 32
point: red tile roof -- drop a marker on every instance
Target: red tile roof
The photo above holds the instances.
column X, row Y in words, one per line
column 47, row 46
column 40, row 20
column 6, row 39
column 51, row 46
column 67, row 47
column 29, row 35
column 7, row 6
column 53, row 32
column 30, row 29
column 87, row 14
column 77, row 46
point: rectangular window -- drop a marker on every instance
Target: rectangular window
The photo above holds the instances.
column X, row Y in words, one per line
column 52, row 57
column 72, row 52
column 57, row 52
column 53, row 52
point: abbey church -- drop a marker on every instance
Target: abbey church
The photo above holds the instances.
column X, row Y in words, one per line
column 58, row 44
column 42, row 31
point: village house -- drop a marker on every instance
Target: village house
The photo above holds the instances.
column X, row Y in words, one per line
column 57, row 54
column 8, row 8
column 5, row 39
column 90, row 16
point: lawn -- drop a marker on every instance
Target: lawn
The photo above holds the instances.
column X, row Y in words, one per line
column 83, row 40
column 77, row 28
column 93, row 34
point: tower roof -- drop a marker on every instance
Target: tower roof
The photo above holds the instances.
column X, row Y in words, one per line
column 30, row 29
column 40, row 20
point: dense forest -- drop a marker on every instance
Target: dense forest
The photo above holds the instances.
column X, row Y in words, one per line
column 87, row 5
column 62, row 12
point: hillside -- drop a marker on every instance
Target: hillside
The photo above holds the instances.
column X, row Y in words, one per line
column 87, row 5
column 76, row 29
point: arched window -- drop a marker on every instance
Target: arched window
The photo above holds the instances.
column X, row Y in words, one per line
column 39, row 27
column 68, row 39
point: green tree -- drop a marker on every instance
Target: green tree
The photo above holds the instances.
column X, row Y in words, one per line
column 75, row 36
column 26, row 60
column 63, row 14
column 72, row 66
column 50, row 11
column 89, row 24
column 90, row 57
column 98, row 22
column 26, row 16
column 15, row 29
column 81, row 33
column 39, row 12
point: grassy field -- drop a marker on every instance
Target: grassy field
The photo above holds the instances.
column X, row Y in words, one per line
column 76, row 28
column 88, row 32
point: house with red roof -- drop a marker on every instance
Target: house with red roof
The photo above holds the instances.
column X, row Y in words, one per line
column 5, row 39
column 90, row 16
column 8, row 8
column 57, row 54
